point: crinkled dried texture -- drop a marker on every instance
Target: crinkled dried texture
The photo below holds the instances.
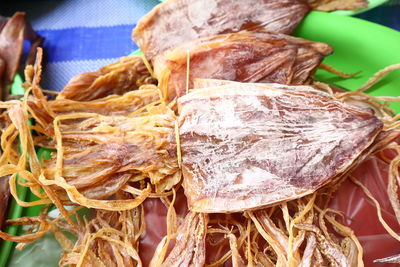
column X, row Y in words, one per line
column 16, row 26
column 120, row 148
column 276, row 238
column 309, row 251
column 110, row 239
column 299, row 233
column 118, row 78
column 129, row 104
column 133, row 141
column 246, row 57
column 272, row 237
column 190, row 244
column 177, row 21
column 245, row 146
column 331, row 5
column 335, row 256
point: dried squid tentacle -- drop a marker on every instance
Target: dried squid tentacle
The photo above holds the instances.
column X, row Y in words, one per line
column 333, row 254
column 307, row 258
column 271, row 234
column 391, row 259
column 341, row 74
column 108, row 239
column 378, row 76
column 189, row 245
column 111, row 205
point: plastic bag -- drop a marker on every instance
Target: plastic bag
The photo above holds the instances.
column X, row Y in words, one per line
column 361, row 213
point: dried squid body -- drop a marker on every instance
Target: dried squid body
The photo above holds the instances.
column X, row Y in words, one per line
column 178, row 21
column 258, row 56
column 246, row 146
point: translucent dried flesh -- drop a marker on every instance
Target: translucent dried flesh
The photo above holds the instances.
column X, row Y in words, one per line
column 11, row 45
column 117, row 146
column 177, row 21
column 4, row 186
column 306, row 139
column 246, row 57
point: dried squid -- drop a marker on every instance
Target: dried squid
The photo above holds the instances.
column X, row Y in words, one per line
column 245, row 146
column 129, row 138
column 108, row 239
column 268, row 156
column 246, row 56
column 177, row 21
column 190, row 245
column 118, row 78
column 13, row 32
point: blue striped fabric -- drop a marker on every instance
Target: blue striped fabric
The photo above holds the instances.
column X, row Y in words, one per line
column 94, row 43
column 83, row 35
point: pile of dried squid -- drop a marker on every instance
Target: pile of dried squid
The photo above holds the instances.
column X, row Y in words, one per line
column 115, row 139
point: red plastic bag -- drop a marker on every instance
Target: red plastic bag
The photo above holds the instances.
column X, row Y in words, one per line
column 361, row 212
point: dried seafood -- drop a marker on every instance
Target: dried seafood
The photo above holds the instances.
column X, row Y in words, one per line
column 245, row 146
column 190, row 244
column 273, row 153
column 118, row 78
column 246, row 56
column 109, row 239
column 177, row 21
column 12, row 34
column 292, row 233
column 134, row 146
column 13, row 31
column 11, row 44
